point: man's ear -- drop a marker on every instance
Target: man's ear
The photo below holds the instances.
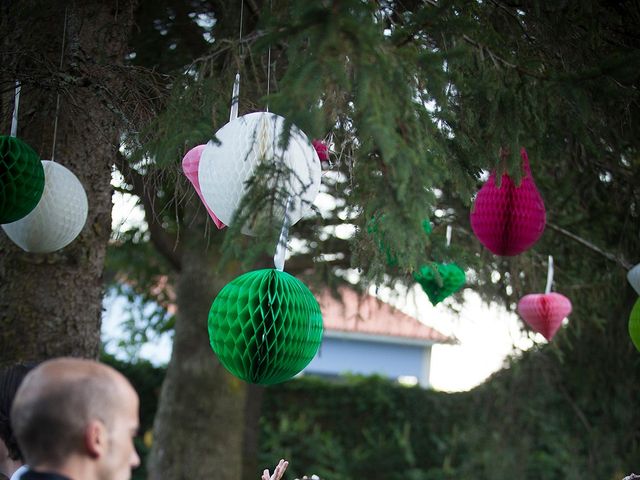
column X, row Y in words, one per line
column 95, row 438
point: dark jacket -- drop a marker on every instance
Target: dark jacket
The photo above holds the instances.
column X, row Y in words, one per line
column 32, row 475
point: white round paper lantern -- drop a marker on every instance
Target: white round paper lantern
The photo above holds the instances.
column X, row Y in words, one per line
column 59, row 216
column 633, row 276
column 244, row 143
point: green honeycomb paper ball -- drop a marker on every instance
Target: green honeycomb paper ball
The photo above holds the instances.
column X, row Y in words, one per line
column 21, row 179
column 634, row 325
column 265, row 326
column 448, row 280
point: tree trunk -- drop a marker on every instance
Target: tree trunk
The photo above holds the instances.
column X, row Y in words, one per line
column 199, row 424
column 251, row 434
column 51, row 304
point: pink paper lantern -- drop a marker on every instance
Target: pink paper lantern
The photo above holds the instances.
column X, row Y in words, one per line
column 190, row 164
column 544, row 312
column 321, row 149
column 509, row 219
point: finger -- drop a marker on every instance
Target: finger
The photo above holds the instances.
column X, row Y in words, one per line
column 280, row 469
column 266, row 475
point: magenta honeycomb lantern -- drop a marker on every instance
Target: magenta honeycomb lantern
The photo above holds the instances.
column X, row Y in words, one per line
column 510, row 218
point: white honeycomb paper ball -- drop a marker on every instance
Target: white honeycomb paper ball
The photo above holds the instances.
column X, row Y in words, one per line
column 59, row 216
column 634, row 278
column 244, row 142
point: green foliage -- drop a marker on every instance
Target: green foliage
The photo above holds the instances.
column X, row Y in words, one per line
column 135, row 273
column 380, row 430
column 525, row 423
column 394, row 156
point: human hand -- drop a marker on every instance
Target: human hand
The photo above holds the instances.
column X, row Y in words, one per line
column 277, row 472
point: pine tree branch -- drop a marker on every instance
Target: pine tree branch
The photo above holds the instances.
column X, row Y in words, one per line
column 515, row 17
column 164, row 242
column 497, row 59
column 609, row 256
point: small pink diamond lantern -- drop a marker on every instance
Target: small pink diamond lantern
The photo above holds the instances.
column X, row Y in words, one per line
column 190, row 164
column 321, row 149
column 544, row 312
column 509, row 219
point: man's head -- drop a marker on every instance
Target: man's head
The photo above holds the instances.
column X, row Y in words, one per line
column 77, row 412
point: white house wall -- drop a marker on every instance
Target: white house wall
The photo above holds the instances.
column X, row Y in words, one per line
column 339, row 355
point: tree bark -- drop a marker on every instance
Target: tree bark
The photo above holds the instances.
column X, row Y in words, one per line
column 251, row 433
column 199, row 423
column 51, row 304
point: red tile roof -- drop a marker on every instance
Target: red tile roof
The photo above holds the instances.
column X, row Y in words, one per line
column 366, row 314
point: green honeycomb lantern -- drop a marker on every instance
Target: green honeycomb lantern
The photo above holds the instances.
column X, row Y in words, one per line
column 265, row 326
column 440, row 280
column 21, row 179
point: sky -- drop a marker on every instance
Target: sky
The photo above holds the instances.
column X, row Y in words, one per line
column 486, row 334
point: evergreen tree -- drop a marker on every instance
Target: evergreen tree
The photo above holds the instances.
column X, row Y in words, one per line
column 420, row 97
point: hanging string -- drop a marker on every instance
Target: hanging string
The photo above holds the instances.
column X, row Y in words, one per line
column 235, row 93
column 281, row 247
column 55, row 121
column 16, row 104
column 269, row 65
column 549, row 275
column 268, row 75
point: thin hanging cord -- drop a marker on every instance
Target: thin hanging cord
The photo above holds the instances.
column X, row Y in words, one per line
column 549, row 275
column 268, row 76
column 235, row 94
column 55, row 121
column 269, row 63
column 16, row 104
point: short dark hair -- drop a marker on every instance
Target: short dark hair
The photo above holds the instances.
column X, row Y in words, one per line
column 10, row 379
